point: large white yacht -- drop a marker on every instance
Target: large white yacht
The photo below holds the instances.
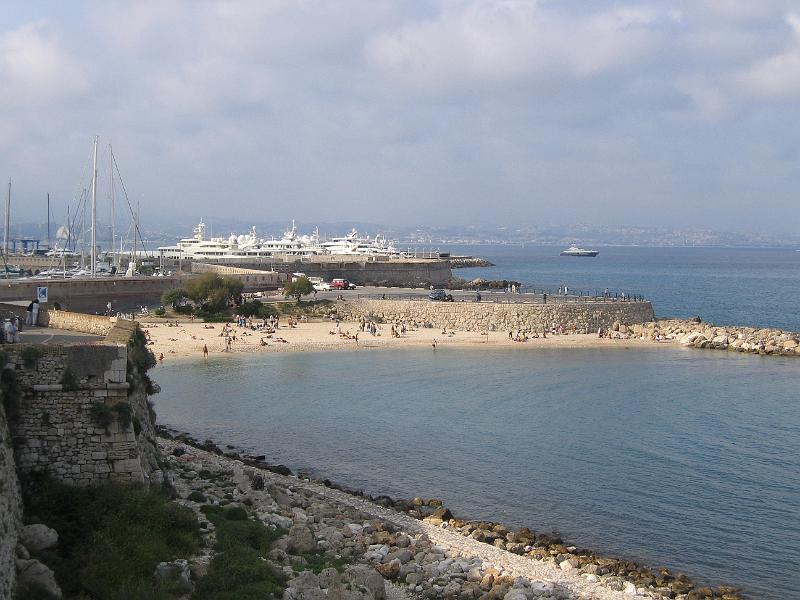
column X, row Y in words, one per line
column 248, row 246
column 575, row 251
column 351, row 244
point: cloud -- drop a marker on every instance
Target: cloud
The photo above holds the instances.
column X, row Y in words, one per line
column 777, row 76
column 479, row 45
column 36, row 70
column 408, row 112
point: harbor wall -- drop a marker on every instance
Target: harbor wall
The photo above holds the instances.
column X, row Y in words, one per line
column 361, row 271
column 495, row 316
column 254, row 280
column 92, row 295
column 125, row 293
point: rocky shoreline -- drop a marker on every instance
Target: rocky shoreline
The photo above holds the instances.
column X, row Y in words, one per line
column 696, row 334
column 416, row 544
column 466, row 262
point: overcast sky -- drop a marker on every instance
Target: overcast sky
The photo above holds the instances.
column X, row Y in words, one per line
column 682, row 113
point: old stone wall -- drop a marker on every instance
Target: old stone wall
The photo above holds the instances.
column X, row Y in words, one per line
column 373, row 270
column 254, row 280
column 73, row 321
column 67, row 392
column 490, row 316
column 10, row 509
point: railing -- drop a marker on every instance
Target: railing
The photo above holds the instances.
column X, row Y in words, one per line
column 502, row 297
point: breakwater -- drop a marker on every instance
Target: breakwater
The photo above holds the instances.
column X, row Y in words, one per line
column 372, row 270
column 496, row 316
column 752, row 340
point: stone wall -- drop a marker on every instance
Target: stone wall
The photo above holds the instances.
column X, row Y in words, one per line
column 374, row 270
column 490, row 316
column 10, row 510
column 56, row 429
column 254, row 280
column 73, row 321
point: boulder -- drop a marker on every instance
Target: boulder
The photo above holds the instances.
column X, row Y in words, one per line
column 38, row 537
column 389, row 570
column 300, row 539
column 34, row 574
column 175, row 573
column 367, row 578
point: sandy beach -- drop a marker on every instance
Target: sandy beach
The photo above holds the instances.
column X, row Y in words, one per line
column 186, row 339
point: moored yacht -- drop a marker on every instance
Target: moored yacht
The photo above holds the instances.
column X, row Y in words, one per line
column 576, row 251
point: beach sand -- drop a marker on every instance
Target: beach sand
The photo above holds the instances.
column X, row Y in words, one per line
column 186, row 340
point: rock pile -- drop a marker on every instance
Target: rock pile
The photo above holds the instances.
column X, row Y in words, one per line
column 422, row 552
column 735, row 339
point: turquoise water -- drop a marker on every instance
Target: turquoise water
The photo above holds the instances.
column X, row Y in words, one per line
column 730, row 286
column 671, row 456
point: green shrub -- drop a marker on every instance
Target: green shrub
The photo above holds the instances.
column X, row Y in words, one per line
column 68, row 380
column 101, row 415
column 160, row 311
column 32, row 591
column 10, row 392
column 124, row 415
column 236, row 513
column 197, row 496
column 111, row 537
column 30, row 355
column 237, row 571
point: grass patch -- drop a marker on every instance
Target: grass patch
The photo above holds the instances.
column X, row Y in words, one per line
column 237, row 571
column 319, row 561
column 111, row 537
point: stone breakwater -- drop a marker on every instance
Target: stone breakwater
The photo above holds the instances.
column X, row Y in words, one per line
column 496, row 316
column 732, row 338
column 417, row 545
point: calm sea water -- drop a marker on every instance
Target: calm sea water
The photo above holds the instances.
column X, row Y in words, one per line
column 731, row 286
column 671, row 456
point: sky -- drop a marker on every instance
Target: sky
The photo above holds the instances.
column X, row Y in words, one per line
column 674, row 113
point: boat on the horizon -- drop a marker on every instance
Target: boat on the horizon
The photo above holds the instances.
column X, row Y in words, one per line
column 576, row 251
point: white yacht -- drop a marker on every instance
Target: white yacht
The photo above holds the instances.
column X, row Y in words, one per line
column 353, row 245
column 575, row 251
column 249, row 246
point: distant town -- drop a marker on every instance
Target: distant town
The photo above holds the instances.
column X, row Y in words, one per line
column 156, row 234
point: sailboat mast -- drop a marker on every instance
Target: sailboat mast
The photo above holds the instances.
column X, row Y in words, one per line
column 48, row 220
column 94, row 211
column 8, row 219
column 113, row 204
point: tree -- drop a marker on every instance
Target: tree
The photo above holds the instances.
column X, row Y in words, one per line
column 174, row 297
column 254, row 308
column 297, row 288
column 213, row 293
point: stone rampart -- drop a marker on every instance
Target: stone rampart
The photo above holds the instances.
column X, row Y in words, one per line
column 78, row 418
column 10, row 509
column 372, row 270
column 254, row 280
column 495, row 316
column 73, row 321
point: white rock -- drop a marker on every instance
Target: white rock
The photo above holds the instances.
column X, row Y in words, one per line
column 38, row 537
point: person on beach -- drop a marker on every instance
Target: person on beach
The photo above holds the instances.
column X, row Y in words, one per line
column 28, row 314
column 434, row 343
column 205, row 351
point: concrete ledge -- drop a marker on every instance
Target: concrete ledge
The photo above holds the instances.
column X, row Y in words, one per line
column 48, row 387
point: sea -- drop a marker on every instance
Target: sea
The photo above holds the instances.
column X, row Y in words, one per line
column 668, row 456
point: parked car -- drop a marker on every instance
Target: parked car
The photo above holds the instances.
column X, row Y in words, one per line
column 322, row 286
column 342, row 284
column 440, row 295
